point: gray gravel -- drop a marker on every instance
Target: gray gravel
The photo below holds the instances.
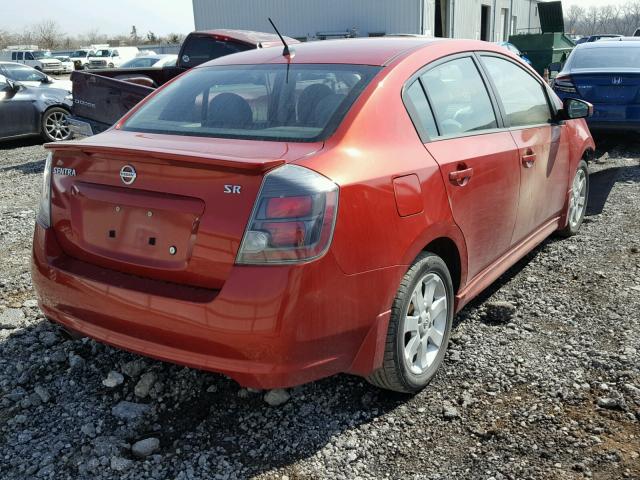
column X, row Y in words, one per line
column 542, row 380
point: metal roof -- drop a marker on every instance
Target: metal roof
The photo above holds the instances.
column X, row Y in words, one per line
column 363, row 51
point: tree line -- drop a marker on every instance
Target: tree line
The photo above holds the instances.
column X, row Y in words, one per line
column 49, row 36
column 621, row 19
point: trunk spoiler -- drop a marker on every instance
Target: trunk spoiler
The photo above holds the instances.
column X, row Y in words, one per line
column 185, row 158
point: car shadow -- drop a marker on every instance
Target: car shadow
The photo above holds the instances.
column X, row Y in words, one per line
column 22, row 142
column 201, row 413
column 602, row 182
column 37, row 166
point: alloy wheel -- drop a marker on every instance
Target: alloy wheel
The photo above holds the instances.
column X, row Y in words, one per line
column 56, row 126
column 578, row 198
column 425, row 323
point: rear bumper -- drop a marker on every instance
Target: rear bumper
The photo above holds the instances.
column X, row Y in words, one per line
column 52, row 68
column 610, row 116
column 268, row 327
column 616, row 126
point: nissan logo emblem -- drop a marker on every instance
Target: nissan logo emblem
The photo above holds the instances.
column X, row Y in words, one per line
column 128, row 174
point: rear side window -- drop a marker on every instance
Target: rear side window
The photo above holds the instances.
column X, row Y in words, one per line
column 198, row 49
column 14, row 56
column 459, row 98
column 420, row 111
column 301, row 103
column 20, row 56
column 522, row 96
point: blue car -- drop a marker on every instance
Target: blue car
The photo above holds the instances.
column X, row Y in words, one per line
column 607, row 75
column 513, row 49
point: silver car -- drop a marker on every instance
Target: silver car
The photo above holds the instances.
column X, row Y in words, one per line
column 28, row 110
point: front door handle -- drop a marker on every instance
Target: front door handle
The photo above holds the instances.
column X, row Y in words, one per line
column 528, row 159
column 461, row 177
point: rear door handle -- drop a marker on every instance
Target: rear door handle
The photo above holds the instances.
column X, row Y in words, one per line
column 528, row 159
column 461, row 177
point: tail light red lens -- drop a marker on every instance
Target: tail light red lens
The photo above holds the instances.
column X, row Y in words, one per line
column 293, row 218
column 289, row 207
column 564, row 83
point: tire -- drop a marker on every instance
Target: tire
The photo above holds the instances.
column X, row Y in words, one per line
column 410, row 375
column 577, row 205
column 54, row 127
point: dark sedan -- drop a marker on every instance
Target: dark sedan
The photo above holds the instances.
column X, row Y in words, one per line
column 33, row 110
column 606, row 74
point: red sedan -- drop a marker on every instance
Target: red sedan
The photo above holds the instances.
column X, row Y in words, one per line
column 281, row 218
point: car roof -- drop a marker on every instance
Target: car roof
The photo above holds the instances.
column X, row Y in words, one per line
column 16, row 63
column 377, row 51
column 621, row 41
column 157, row 56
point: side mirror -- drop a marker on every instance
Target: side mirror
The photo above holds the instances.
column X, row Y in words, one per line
column 12, row 86
column 575, row 108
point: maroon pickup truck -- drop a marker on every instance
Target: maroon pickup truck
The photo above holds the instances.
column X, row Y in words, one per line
column 102, row 97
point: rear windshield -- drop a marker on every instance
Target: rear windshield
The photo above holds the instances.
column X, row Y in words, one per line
column 302, row 103
column 200, row 49
column 606, row 57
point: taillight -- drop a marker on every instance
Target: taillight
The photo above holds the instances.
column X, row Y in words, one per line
column 293, row 218
column 564, row 84
column 44, row 211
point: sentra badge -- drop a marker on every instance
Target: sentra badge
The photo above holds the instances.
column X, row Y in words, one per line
column 69, row 172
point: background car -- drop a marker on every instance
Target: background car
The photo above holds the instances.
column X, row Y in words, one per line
column 27, row 111
column 595, row 38
column 513, row 49
column 66, row 62
column 80, row 58
column 606, row 74
column 111, row 57
column 151, row 61
column 31, row 77
column 38, row 59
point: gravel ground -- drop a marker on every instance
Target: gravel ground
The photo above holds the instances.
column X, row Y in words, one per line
column 542, row 380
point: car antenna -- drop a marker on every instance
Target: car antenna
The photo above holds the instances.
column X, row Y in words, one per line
column 287, row 52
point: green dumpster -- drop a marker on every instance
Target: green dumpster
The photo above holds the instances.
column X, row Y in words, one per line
column 550, row 46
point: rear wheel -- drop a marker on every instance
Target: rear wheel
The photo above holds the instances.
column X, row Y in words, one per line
column 577, row 201
column 419, row 327
column 54, row 125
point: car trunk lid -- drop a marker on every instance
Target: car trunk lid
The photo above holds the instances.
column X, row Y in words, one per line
column 180, row 218
column 608, row 88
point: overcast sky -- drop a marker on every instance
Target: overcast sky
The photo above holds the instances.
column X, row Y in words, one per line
column 111, row 17
column 115, row 17
column 591, row 3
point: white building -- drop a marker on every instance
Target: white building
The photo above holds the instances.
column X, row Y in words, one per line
column 491, row 20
